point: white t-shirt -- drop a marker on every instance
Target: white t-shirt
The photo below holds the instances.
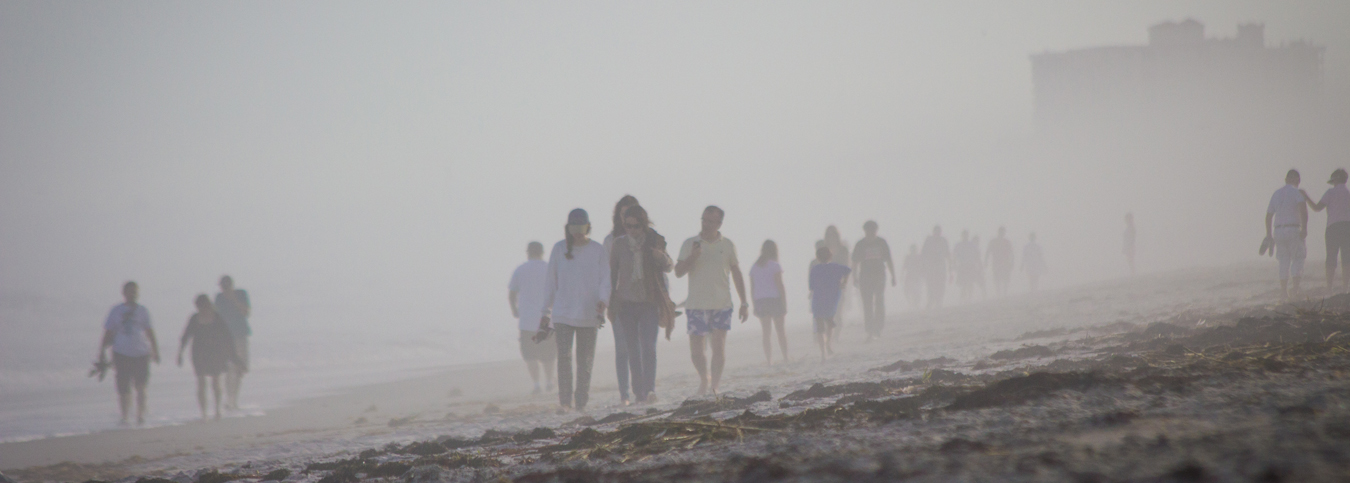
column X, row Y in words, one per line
column 131, row 335
column 1337, row 201
column 529, row 283
column 710, row 277
column 764, row 279
column 1285, row 205
column 575, row 286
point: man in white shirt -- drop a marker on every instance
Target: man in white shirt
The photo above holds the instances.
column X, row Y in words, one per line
column 128, row 332
column 1287, row 225
column 527, row 306
column 709, row 258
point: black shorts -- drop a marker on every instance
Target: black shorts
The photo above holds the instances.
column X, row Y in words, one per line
column 1338, row 242
column 130, row 370
column 771, row 307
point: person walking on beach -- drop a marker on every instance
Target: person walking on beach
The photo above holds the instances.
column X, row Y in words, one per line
column 913, row 270
column 577, row 289
column 128, row 332
column 827, row 281
column 621, row 365
column 1337, row 203
column 640, row 298
column 871, row 261
column 937, row 257
column 1033, row 262
column 709, row 258
column 526, row 294
column 212, row 350
column 999, row 257
column 1128, row 244
column 232, row 305
column 839, row 248
column 766, row 288
column 1287, row 226
column 969, row 267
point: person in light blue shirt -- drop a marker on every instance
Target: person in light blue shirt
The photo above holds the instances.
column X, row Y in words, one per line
column 827, row 281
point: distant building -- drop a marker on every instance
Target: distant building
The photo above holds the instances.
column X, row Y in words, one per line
column 1179, row 78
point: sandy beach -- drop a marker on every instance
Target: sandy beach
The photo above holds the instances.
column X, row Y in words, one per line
column 1091, row 380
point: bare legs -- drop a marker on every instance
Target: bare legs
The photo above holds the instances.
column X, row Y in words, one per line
column 534, row 367
column 124, row 402
column 826, row 344
column 215, row 391
column 718, row 338
column 768, row 324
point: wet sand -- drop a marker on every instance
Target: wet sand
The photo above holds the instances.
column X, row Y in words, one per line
column 980, row 344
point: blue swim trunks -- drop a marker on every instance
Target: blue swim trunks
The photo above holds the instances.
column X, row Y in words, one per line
column 703, row 321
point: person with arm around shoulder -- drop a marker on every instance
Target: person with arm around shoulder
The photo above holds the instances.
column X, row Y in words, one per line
column 1287, row 226
column 127, row 331
column 1337, row 203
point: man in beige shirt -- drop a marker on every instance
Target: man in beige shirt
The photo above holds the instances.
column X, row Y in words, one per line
column 708, row 259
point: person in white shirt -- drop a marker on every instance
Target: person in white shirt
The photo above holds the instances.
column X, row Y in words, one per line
column 128, row 332
column 708, row 258
column 766, row 288
column 576, row 292
column 1337, row 203
column 527, row 287
column 1287, row 225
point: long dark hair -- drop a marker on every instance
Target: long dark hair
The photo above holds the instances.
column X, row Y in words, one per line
column 625, row 202
column 637, row 211
column 568, row 233
column 767, row 252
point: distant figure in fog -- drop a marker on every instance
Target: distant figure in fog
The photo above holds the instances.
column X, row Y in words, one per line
column 526, row 294
column 913, row 270
column 839, row 248
column 710, row 259
column 232, row 304
column 621, row 365
column 871, row 261
column 212, row 350
column 128, row 332
column 978, row 269
column 969, row 266
column 827, row 282
column 1287, row 227
column 1128, row 244
column 1000, row 258
column 1033, row 262
column 1337, row 203
column 937, row 257
column 766, row 289
column 577, row 289
column 637, row 263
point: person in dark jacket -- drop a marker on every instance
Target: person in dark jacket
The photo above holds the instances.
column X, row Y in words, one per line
column 212, row 349
column 640, row 300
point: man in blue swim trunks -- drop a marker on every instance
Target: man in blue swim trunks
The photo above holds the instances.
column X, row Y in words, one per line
column 708, row 259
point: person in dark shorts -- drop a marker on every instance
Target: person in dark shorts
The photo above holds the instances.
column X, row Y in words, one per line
column 233, row 305
column 1337, row 203
column 827, row 281
column 871, row 261
column 128, row 332
column 766, row 289
column 937, row 259
column 526, row 294
column 212, row 350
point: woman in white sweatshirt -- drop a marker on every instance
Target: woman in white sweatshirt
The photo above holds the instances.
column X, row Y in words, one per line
column 578, row 288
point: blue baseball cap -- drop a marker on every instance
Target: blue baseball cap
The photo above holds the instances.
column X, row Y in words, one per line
column 578, row 217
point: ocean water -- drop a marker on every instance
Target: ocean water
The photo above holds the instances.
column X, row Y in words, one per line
column 47, row 347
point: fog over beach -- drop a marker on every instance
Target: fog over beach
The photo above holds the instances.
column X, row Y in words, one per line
column 372, row 173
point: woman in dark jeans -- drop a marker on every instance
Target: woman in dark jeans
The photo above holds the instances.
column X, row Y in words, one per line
column 638, row 264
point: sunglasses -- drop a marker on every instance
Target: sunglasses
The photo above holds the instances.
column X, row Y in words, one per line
column 632, row 225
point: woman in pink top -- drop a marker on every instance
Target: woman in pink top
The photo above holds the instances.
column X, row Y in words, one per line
column 1337, row 203
column 766, row 288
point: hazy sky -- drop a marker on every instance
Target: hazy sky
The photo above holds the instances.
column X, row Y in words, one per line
column 386, row 163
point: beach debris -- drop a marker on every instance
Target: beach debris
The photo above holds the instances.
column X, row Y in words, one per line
column 396, row 422
column 423, row 474
column 277, row 475
column 214, row 476
column 1026, row 352
column 916, row 365
column 693, row 407
column 491, row 409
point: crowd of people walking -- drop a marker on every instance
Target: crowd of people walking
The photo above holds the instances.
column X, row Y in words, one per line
column 561, row 304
